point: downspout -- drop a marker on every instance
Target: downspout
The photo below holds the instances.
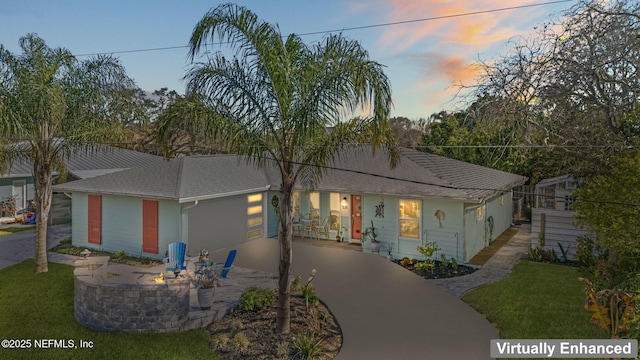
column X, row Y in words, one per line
column 184, row 222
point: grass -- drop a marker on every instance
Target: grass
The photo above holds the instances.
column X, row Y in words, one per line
column 15, row 229
column 537, row 301
column 40, row 306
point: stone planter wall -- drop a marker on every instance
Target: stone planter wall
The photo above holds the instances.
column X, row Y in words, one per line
column 110, row 304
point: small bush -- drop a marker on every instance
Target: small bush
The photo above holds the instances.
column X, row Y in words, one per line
column 535, row 254
column 255, row 299
column 309, row 293
column 282, row 349
column 240, row 341
column 220, row 340
column 308, row 346
column 236, row 326
column 119, row 256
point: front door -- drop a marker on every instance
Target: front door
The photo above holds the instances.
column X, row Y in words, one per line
column 356, row 217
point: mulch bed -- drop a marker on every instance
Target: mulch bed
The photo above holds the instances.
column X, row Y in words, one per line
column 439, row 271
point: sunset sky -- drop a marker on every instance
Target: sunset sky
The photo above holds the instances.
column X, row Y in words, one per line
column 423, row 59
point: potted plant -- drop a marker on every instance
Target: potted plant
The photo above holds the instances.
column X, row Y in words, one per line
column 371, row 233
column 205, row 281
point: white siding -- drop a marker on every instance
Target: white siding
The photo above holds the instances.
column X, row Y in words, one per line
column 559, row 228
column 122, row 224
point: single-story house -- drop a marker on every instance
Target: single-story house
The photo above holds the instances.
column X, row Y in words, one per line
column 553, row 222
column 220, row 201
column 18, row 181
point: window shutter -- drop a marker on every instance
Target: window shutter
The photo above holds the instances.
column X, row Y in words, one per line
column 150, row 226
column 95, row 219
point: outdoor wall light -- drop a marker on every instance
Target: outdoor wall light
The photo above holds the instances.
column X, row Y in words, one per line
column 344, row 203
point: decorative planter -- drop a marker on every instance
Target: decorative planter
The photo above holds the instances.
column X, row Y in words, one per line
column 205, row 297
column 375, row 246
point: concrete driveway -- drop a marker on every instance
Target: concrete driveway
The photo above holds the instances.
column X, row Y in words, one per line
column 18, row 247
column 385, row 311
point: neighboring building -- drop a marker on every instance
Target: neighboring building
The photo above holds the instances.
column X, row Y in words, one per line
column 219, row 201
column 18, row 180
column 553, row 219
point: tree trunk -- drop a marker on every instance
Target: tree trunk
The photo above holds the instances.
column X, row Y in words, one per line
column 42, row 174
column 285, row 237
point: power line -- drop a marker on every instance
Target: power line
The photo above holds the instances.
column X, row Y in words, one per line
column 353, row 28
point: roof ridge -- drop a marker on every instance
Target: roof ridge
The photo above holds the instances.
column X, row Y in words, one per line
column 414, row 152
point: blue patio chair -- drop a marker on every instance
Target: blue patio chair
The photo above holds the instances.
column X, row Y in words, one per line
column 228, row 264
column 177, row 251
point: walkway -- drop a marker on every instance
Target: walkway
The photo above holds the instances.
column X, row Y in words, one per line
column 498, row 267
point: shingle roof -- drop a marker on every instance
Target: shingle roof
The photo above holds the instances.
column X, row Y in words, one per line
column 183, row 179
column 478, row 182
column 102, row 160
column 357, row 170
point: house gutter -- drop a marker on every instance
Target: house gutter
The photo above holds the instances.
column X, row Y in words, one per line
column 217, row 196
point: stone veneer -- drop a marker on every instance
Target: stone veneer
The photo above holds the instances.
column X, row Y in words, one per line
column 129, row 302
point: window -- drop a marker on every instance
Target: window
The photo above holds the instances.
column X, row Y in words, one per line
column 334, row 213
column 479, row 214
column 314, row 205
column 409, row 215
column 568, row 202
column 254, row 221
column 150, row 226
column 252, row 210
column 254, row 216
column 502, row 200
column 94, row 231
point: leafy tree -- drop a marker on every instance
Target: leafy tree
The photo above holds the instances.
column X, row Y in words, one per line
column 610, row 204
column 273, row 102
column 571, row 87
column 408, row 132
column 50, row 103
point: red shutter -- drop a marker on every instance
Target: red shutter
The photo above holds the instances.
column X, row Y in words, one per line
column 150, row 226
column 95, row 219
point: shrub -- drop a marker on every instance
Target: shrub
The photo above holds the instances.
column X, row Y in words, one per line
column 119, row 256
column 282, row 349
column 535, row 254
column 220, row 340
column 256, row 299
column 308, row 346
column 584, row 252
column 240, row 341
column 454, row 263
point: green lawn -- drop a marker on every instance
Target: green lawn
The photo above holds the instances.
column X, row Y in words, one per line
column 537, row 301
column 15, row 229
column 41, row 307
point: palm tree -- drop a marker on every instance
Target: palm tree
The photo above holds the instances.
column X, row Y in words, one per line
column 51, row 103
column 273, row 103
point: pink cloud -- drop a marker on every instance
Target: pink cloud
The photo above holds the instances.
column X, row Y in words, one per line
column 480, row 30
